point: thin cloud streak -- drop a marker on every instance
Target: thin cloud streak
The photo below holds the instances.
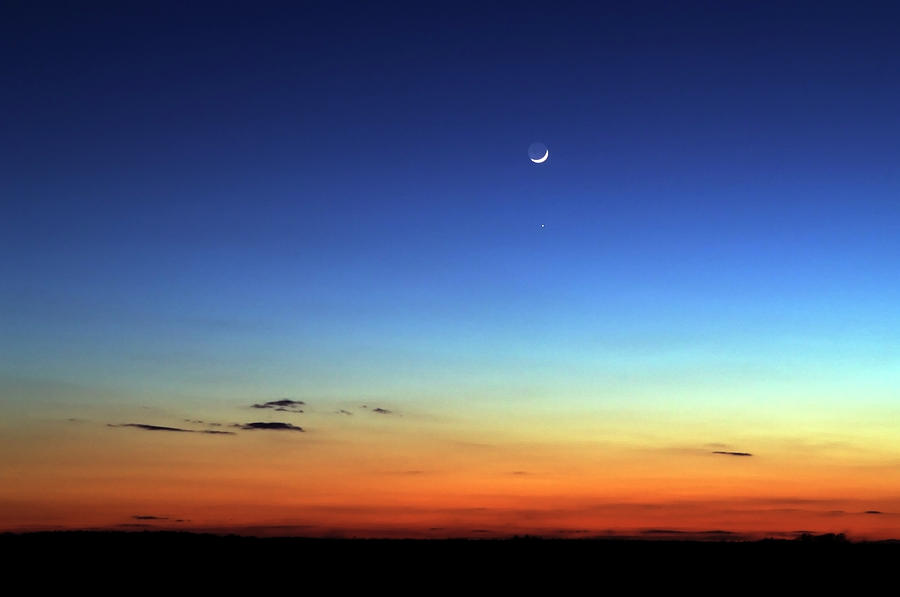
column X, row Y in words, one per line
column 265, row 426
column 146, row 427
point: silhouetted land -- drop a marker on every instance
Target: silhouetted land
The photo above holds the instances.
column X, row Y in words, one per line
column 170, row 554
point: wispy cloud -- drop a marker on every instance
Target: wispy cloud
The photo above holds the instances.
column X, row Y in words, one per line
column 378, row 410
column 727, row 453
column 283, row 405
column 146, row 427
column 147, row 517
column 259, row 425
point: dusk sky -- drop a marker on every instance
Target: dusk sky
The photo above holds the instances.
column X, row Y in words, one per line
column 686, row 319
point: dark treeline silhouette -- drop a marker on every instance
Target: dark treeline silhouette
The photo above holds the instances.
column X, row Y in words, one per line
column 170, row 554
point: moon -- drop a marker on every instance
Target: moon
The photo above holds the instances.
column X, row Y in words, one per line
column 538, row 152
column 543, row 159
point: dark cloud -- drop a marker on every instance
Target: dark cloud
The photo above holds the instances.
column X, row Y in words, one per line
column 269, row 426
column 382, row 411
column 146, row 427
column 344, row 412
column 146, row 517
column 284, row 405
column 873, row 512
column 662, row 532
column 196, row 421
column 726, row 453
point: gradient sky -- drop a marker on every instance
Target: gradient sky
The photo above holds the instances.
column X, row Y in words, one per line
column 215, row 206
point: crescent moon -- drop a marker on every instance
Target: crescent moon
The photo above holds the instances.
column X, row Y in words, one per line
column 541, row 160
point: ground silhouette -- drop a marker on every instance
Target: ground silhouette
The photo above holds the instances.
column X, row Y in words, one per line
column 164, row 556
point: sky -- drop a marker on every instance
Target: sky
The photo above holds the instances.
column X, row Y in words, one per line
column 215, row 216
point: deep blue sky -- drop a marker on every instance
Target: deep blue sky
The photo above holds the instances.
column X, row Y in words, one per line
column 336, row 198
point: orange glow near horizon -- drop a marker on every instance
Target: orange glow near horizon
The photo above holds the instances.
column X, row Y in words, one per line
column 383, row 480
